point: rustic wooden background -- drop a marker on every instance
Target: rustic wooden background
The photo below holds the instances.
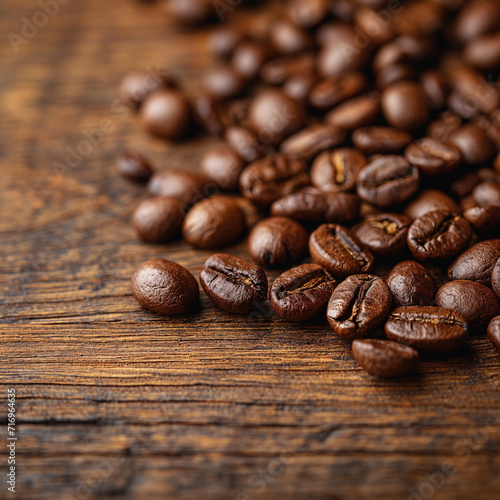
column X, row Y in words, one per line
column 114, row 402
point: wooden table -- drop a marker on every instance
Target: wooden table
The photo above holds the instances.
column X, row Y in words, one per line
column 115, row 402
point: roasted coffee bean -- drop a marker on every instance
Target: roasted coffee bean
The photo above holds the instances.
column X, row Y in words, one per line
column 279, row 70
column 483, row 219
column 287, row 38
column 309, row 13
column 213, row 223
column 411, row 285
column 387, row 181
column 464, row 185
column 433, row 157
column 427, row 328
column 438, row 235
column 223, row 82
column 393, row 73
column 442, row 128
column 274, row 116
column 134, row 166
column 277, row 241
column 185, row 185
column 358, row 306
column 299, row 86
column 272, row 177
column 246, row 143
column 404, row 49
column 224, row 39
column 405, row 105
column 355, row 113
column 476, row 302
column 421, row 18
column 475, row 19
column 223, row 166
column 301, row 292
column 476, row 263
column 494, row 332
column 314, row 205
column 235, row 285
column 435, row 86
column 487, row 193
column 332, row 91
column 248, row 57
column 384, row 358
column 384, row 234
column 474, row 144
column 428, row 201
column 158, row 219
column 165, row 287
column 166, row 113
column 208, row 113
column 495, row 279
column 339, row 250
column 372, row 25
column 337, row 170
column 137, row 86
column 312, row 140
column 380, row 140
column 190, row 12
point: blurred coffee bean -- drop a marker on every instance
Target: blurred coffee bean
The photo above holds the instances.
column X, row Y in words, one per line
column 332, row 91
column 190, row 12
column 248, row 57
column 134, row 166
column 307, row 13
column 474, row 144
column 494, row 332
column 433, row 157
column 487, row 193
column 383, row 140
column 477, row 18
column 355, row 113
column 288, row 38
column 223, row 82
column 428, row 201
column 223, row 166
column 246, row 144
column 484, row 219
column 137, row 86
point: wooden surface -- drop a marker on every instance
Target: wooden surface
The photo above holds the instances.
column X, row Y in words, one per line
column 115, row 402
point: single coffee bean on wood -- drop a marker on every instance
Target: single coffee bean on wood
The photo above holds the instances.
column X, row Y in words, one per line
column 358, row 306
column 384, row 358
column 411, row 285
column 235, row 285
column 165, row 287
column 301, row 292
column 476, row 302
column 494, row 332
column 427, row 328
column 134, row 166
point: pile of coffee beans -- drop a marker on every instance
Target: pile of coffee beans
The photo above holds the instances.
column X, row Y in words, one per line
column 366, row 133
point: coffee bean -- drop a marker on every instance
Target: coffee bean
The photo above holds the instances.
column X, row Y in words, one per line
column 442, row 128
column 224, row 39
column 272, row 177
column 190, row 12
column 495, row 279
column 383, row 358
column 280, row 70
column 371, row 24
column 312, row 140
column 185, row 185
column 358, row 306
column 411, row 285
column 137, row 86
column 248, row 57
column 435, row 86
column 403, row 49
column 438, row 235
column 476, row 302
column 209, row 114
column 339, row 250
column 337, row 170
column 287, row 38
column 332, row 91
column 476, row 263
column 476, row 19
column 474, row 144
column 165, row 287
column 246, row 143
column 420, row 18
column 394, row 73
column 224, row 82
column 307, row 13
column 235, row 285
column 166, row 113
column 383, row 140
column 314, row 205
column 485, row 219
column 428, row 201
column 384, row 234
column 464, row 185
column 355, row 113
column 387, row 181
column 487, row 193
column 433, row 157
column 494, row 332
column 427, row 328
column 277, row 241
column 223, row 166
column 213, row 223
column 134, row 166
column 301, row 292
column 299, row 86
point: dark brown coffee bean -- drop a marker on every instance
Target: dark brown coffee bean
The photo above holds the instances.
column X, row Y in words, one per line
column 394, row 73
column 442, row 128
column 301, row 292
column 435, row 86
column 433, row 157
column 235, row 285
column 299, row 86
column 166, row 113
column 223, row 166
column 484, row 219
column 224, row 39
column 314, row 205
column 387, row 181
column 287, row 38
column 405, row 105
column 475, row 19
column 384, row 358
column 474, row 144
column 358, row 306
column 246, row 143
column 495, row 279
column 309, row 13
column 404, row 49
column 494, row 332
column 312, row 140
column 487, row 193
column 476, row 263
column 271, row 178
column 213, row 223
column 427, row 328
column 339, row 250
column 332, row 91
column 209, row 114
column 428, row 201
column 274, row 116
column 158, row 219
column 355, row 113
column 333, row 32
column 185, row 185
column 421, row 18
column 190, row 12
column 280, row 70
column 137, row 86
column 223, row 82
column 134, row 166
column 476, row 302
column 248, row 57
column 411, row 285
column 165, row 287
column 277, row 241
column 384, row 234
column 337, row 170
column 380, row 140
column 373, row 25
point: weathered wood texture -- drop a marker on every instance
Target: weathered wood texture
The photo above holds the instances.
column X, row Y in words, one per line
column 114, row 402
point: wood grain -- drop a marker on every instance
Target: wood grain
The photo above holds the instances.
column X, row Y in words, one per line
column 115, row 402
